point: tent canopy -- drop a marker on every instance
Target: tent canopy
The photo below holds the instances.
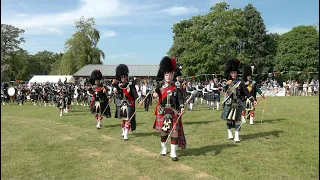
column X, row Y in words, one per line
column 51, row 79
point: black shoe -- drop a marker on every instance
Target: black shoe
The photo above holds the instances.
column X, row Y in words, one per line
column 163, row 154
column 174, row 158
column 125, row 139
column 237, row 141
column 230, row 139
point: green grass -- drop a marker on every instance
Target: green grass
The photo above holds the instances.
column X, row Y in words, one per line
column 37, row 144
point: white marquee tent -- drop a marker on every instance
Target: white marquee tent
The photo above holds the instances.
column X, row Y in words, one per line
column 50, row 79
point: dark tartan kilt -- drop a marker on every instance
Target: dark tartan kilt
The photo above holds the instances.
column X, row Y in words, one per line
column 54, row 98
column 205, row 96
column 199, row 94
column 45, row 98
column 216, row 97
column 34, row 96
column 158, row 123
column 210, row 97
column 227, row 109
column 61, row 103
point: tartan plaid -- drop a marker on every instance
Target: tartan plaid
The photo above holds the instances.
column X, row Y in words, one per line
column 158, row 123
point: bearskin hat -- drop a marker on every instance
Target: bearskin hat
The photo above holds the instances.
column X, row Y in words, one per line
column 121, row 70
column 231, row 65
column 95, row 75
column 246, row 71
column 167, row 64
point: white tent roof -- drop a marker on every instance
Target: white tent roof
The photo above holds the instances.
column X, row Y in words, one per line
column 51, row 79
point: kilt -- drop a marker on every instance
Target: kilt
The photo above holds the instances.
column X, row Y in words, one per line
column 158, row 123
column 235, row 108
column 199, row 94
column 205, row 96
column 210, row 96
column 216, row 97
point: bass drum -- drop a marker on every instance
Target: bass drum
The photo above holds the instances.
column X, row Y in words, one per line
column 11, row 91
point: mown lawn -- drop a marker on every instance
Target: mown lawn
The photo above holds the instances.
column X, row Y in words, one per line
column 37, row 144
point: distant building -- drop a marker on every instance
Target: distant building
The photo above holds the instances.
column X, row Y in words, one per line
column 109, row 71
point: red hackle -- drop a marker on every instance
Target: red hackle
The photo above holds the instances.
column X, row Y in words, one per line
column 174, row 64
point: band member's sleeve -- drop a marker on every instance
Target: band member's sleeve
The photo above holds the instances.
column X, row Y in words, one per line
column 134, row 92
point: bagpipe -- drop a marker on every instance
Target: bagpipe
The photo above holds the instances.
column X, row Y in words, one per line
column 232, row 89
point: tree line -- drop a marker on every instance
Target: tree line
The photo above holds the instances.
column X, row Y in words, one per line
column 203, row 43
column 80, row 49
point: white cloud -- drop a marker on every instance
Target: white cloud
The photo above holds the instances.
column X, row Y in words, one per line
column 180, row 10
column 278, row 30
column 42, row 31
column 108, row 33
column 89, row 8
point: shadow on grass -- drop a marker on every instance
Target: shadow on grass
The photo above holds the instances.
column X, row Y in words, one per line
column 197, row 122
column 156, row 133
column 271, row 120
column 118, row 124
column 204, row 150
column 262, row 134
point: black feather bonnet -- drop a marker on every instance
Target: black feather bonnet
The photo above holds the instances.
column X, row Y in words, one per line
column 231, row 65
column 121, row 70
column 167, row 64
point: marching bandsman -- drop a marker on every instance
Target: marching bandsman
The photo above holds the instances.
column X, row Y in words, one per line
column 145, row 89
column 235, row 97
column 126, row 95
column 200, row 92
column 253, row 89
column 216, row 88
column 61, row 103
column 169, row 108
column 99, row 103
column 191, row 92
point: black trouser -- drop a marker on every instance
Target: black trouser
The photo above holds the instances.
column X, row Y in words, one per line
column 146, row 102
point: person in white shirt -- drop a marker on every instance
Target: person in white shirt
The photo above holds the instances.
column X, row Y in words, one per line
column 210, row 94
column 145, row 89
column 216, row 88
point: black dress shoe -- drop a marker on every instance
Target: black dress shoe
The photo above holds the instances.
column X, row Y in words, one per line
column 237, row 141
column 125, row 139
column 163, row 154
column 174, row 158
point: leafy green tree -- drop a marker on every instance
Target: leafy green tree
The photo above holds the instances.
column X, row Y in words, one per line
column 254, row 39
column 81, row 48
column 298, row 50
column 10, row 41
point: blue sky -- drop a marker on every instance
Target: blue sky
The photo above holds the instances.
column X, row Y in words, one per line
column 135, row 31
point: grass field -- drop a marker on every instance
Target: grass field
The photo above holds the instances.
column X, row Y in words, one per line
column 37, row 144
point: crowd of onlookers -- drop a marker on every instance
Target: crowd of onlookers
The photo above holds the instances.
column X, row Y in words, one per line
column 293, row 87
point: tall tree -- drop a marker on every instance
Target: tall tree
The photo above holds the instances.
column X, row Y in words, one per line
column 298, row 50
column 10, row 41
column 255, row 45
column 82, row 47
column 204, row 42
